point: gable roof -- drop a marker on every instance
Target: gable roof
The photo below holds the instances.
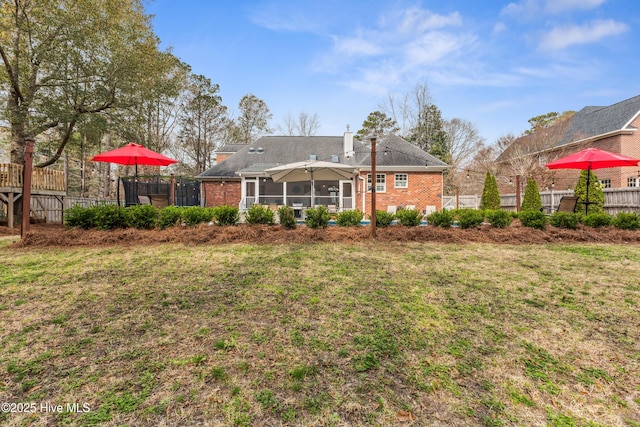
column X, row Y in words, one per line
column 271, row 151
column 591, row 122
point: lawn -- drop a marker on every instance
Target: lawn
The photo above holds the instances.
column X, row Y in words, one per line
column 321, row 334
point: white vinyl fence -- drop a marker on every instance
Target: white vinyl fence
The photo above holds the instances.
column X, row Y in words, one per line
column 615, row 200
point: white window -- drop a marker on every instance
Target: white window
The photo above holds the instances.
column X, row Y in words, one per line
column 401, row 180
column 606, row 183
column 633, row 182
column 381, row 183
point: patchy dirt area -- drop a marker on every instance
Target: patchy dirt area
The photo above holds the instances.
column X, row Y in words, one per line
column 42, row 235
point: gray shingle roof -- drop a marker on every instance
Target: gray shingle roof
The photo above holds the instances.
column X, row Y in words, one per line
column 281, row 150
column 594, row 121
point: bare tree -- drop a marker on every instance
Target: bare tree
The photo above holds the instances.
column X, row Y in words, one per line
column 464, row 141
column 304, row 125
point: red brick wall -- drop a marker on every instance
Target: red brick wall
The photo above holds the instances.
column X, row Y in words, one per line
column 218, row 193
column 425, row 189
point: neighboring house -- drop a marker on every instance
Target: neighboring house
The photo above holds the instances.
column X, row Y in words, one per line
column 405, row 175
column 612, row 128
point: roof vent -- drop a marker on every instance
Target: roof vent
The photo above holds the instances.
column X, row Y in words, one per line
column 252, row 150
column 335, row 159
column 313, row 157
column 260, row 150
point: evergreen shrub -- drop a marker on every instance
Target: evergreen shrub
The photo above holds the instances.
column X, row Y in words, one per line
column 169, row 217
column 627, row 221
column 409, row 217
column 565, row 220
column 443, row 218
column 317, row 217
column 142, row 216
column 533, row 219
column 384, row 219
column 194, row 215
column 109, row 217
column 349, row 218
column 596, row 196
column 287, row 217
column 531, row 200
column 597, row 219
column 499, row 218
column 469, row 218
column 226, row 215
column 258, row 214
column 490, row 193
column 80, row 217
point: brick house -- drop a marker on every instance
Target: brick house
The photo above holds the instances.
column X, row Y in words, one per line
column 405, row 174
column 613, row 128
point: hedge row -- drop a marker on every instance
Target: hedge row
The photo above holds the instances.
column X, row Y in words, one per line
column 107, row 217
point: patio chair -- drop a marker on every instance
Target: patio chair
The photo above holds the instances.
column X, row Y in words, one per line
column 159, row 200
column 144, row 200
column 568, row 204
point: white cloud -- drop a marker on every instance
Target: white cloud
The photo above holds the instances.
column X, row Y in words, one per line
column 531, row 8
column 499, row 27
column 356, row 46
column 416, row 20
column 436, row 46
column 563, row 37
column 557, row 6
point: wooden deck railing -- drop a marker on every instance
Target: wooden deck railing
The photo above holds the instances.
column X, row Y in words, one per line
column 41, row 179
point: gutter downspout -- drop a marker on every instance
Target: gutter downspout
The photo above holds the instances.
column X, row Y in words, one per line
column 364, row 193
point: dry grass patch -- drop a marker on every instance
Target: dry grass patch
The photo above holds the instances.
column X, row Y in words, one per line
column 323, row 334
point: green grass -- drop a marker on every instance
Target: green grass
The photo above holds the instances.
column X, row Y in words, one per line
column 323, row 334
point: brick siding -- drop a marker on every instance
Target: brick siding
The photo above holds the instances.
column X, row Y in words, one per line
column 218, row 193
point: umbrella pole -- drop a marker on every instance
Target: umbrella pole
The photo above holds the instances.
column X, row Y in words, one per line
column 586, row 204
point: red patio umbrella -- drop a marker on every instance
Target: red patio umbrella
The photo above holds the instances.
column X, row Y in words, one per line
column 592, row 158
column 134, row 154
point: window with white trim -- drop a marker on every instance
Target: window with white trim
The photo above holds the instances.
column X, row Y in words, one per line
column 633, row 182
column 605, row 183
column 401, row 180
column 381, row 183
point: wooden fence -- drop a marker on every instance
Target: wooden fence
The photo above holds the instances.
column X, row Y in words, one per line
column 615, row 200
column 50, row 208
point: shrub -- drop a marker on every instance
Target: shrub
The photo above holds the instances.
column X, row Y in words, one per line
column 349, row 218
column 194, row 215
column 317, row 217
column 143, row 216
column 109, row 217
column 169, row 216
column 470, row 218
column 597, row 219
column 443, row 218
column 490, row 193
column 531, row 200
column 499, row 218
column 226, row 215
column 627, row 221
column 384, row 219
column 533, row 219
column 409, row 217
column 287, row 217
column 258, row 214
column 80, row 217
column 565, row 220
column 596, row 196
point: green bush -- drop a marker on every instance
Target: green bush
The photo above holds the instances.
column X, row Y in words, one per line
column 597, row 220
column 317, row 217
column 169, row 216
column 143, row 216
column 596, row 196
column 349, row 218
column 626, row 221
column 533, row 219
column 443, row 218
column 490, row 193
column 194, row 215
column 499, row 218
column 470, row 218
column 258, row 214
column 531, row 200
column 226, row 215
column 80, row 217
column 384, row 219
column 409, row 217
column 109, row 217
column 565, row 220
column 287, row 217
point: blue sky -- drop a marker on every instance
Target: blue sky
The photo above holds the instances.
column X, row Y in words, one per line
column 494, row 63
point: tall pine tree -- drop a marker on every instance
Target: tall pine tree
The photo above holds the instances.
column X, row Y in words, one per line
column 490, row 193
